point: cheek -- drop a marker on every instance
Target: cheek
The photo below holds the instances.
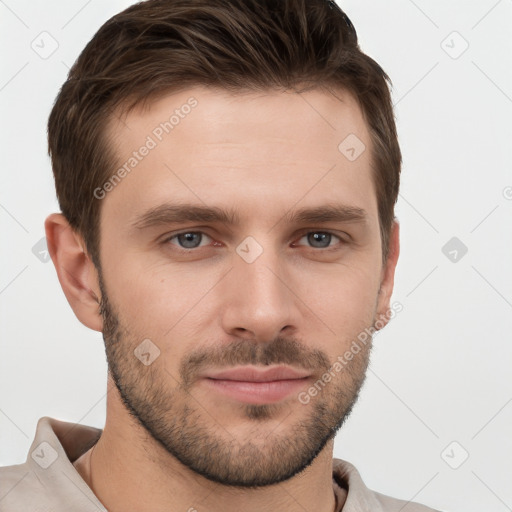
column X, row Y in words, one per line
column 346, row 300
column 159, row 301
column 169, row 302
column 347, row 292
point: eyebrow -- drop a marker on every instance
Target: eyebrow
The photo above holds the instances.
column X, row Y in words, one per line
column 179, row 213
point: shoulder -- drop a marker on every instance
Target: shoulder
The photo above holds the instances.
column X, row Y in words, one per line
column 390, row 504
column 20, row 489
column 47, row 481
column 360, row 497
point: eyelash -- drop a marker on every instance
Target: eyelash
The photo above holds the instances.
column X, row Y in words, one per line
column 302, row 235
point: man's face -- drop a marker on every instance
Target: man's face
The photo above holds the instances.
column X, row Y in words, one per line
column 245, row 313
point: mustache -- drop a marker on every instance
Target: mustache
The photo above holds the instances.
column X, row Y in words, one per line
column 250, row 352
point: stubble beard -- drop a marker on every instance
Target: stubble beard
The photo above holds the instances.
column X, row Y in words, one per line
column 182, row 426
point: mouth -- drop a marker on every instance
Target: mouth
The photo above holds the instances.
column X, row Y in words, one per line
column 256, row 385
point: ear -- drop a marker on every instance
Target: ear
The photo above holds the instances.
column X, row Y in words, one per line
column 77, row 274
column 388, row 278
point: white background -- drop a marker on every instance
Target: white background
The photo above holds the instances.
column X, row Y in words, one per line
column 441, row 370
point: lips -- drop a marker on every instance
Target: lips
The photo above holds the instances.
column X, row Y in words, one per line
column 254, row 374
column 253, row 385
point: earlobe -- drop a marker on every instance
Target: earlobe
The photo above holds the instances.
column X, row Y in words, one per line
column 77, row 274
column 388, row 277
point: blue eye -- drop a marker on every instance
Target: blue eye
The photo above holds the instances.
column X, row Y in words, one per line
column 320, row 239
column 188, row 239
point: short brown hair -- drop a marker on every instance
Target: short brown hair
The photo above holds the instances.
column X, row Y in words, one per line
column 158, row 47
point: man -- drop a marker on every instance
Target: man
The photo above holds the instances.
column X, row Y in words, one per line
column 227, row 173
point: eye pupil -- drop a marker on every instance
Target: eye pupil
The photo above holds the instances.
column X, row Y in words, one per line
column 319, row 237
column 188, row 238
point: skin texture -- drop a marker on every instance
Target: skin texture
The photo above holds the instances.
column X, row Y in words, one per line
column 171, row 441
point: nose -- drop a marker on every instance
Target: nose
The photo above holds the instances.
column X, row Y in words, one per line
column 259, row 302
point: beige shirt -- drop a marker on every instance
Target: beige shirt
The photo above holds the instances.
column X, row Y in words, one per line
column 48, row 481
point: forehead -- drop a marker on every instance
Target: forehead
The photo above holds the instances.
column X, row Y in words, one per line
column 270, row 149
